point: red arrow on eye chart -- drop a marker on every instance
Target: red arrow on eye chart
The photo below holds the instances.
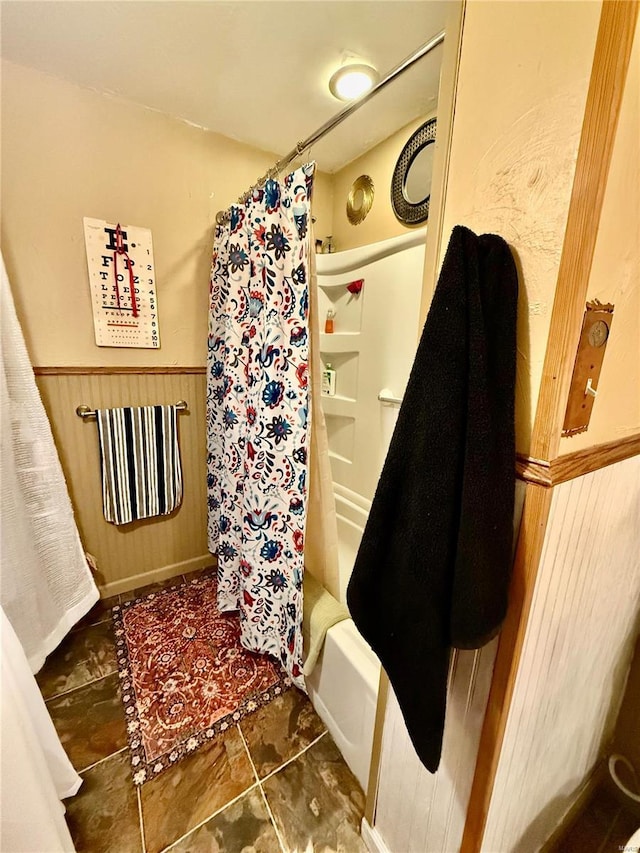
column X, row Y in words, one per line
column 120, row 250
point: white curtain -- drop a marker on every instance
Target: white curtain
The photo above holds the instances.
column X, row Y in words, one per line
column 36, row 773
column 45, row 583
column 321, row 534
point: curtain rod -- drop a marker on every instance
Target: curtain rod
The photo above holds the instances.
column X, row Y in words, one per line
column 423, row 50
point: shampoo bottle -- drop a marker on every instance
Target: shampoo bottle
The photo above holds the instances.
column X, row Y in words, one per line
column 328, row 323
column 329, row 381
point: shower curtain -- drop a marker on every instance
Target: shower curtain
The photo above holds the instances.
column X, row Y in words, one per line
column 46, row 585
column 321, row 535
column 35, row 773
column 258, row 414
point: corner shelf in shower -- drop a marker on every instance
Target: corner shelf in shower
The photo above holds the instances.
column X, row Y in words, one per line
column 342, row 350
column 339, row 342
column 340, row 398
column 338, row 406
column 346, row 366
column 341, row 436
column 338, row 458
column 347, row 306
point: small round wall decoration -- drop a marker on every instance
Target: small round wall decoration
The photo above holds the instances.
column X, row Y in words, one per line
column 411, row 181
column 360, row 199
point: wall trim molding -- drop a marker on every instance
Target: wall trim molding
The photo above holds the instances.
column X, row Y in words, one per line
column 536, row 471
column 373, row 841
column 576, row 464
column 376, row 751
column 155, row 575
column 582, row 462
column 533, row 527
column 115, row 371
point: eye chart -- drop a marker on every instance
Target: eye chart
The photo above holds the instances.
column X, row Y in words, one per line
column 123, row 284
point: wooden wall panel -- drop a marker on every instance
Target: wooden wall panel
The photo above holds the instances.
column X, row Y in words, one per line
column 420, row 811
column 575, row 656
column 153, row 548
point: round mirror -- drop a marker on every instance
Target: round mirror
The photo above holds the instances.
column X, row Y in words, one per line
column 417, row 181
column 411, row 181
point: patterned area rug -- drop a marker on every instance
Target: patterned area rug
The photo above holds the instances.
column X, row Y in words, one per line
column 184, row 675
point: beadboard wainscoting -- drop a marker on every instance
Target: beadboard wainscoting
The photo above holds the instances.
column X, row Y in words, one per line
column 417, row 810
column 576, row 654
column 143, row 552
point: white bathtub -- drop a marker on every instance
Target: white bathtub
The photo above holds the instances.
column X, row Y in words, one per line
column 343, row 689
column 344, row 685
column 372, row 348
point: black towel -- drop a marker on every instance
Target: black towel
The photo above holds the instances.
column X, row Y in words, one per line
column 433, row 568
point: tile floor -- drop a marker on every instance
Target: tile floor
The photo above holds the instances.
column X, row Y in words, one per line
column 276, row 783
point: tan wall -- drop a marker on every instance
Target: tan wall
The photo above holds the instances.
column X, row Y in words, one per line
column 381, row 222
column 614, row 278
column 69, row 152
column 158, row 547
column 523, row 78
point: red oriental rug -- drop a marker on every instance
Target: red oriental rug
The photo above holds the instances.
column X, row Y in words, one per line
column 184, row 675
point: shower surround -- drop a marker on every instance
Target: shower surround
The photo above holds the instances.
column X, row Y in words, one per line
column 372, row 349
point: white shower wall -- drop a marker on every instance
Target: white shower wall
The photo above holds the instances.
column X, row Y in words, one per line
column 372, row 349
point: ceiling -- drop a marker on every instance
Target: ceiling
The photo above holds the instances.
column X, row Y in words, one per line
column 254, row 70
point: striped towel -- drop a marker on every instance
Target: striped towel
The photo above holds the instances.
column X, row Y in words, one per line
column 140, row 460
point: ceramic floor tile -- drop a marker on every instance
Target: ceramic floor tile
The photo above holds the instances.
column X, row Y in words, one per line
column 83, row 656
column 280, row 730
column 317, row 802
column 90, row 721
column 243, row 826
column 194, row 789
column 103, row 816
column 100, row 612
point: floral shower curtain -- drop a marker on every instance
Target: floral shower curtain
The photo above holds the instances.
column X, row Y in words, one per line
column 258, row 414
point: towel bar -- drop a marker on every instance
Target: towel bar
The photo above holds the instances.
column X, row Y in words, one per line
column 385, row 396
column 85, row 412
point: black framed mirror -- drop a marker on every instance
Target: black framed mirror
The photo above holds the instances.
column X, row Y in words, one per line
column 411, row 181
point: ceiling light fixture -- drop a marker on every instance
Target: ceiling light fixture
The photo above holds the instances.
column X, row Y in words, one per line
column 351, row 81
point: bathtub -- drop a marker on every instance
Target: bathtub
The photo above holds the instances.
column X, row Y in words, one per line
column 372, row 348
column 343, row 687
